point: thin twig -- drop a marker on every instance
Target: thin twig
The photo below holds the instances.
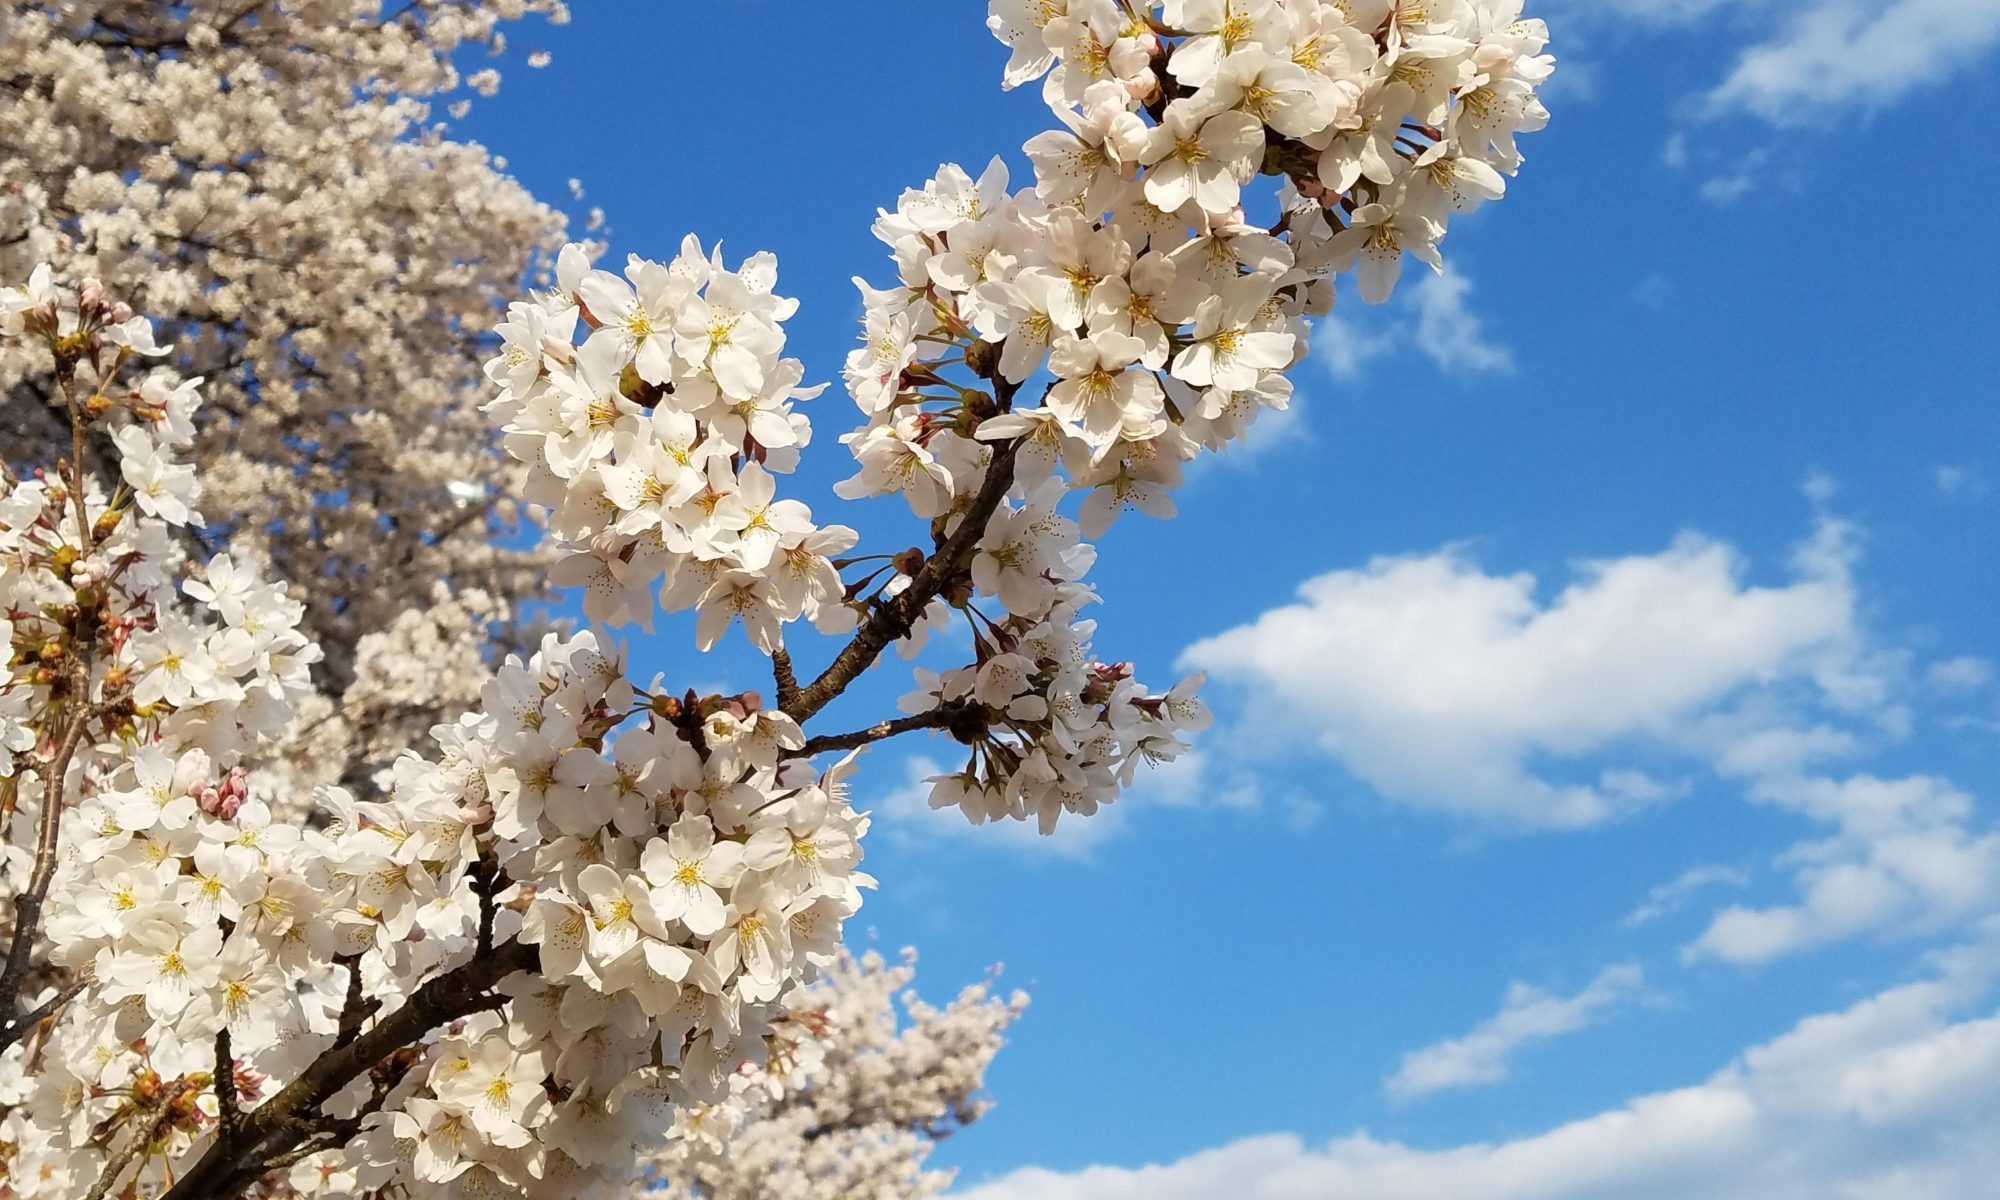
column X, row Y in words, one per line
column 937, row 718
column 145, row 1134
column 28, row 904
column 353, row 1009
column 225, row 1082
column 46, row 1009
column 895, row 619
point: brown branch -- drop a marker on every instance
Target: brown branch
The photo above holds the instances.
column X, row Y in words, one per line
column 145, row 1134
column 937, row 718
column 225, row 1083
column 781, row 673
column 234, row 1161
column 28, row 904
column 894, row 620
column 47, row 1008
column 354, row 1009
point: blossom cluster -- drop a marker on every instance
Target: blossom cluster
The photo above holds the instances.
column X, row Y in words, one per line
column 95, row 621
column 655, row 442
column 1163, row 317
column 645, row 879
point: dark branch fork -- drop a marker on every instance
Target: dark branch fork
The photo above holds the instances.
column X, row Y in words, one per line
column 893, row 620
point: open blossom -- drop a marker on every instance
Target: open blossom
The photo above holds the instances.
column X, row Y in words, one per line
column 1377, row 241
column 1098, row 391
column 1195, row 155
column 1228, row 348
column 686, row 868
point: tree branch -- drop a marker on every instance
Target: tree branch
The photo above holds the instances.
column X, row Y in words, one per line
column 228, row 1112
column 47, row 1008
column 894, row 620
column 781, row 673
column 28, row 904
column 234, row 1161
column 937, row 718
column 146, row 1130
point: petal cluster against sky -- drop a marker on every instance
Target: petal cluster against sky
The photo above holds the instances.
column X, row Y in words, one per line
column 1603, row 795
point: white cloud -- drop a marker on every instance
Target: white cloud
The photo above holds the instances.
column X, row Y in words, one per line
column 1960, row 483
column 1809, row 62
column 1672, row 896
column 1739, row 180
column 1527, row 1014
column 1655, row 291
column 1830, row 56
column 1901, row 860
column 1345, row 347
column 1429, row 316
column 1446, row 687
column 1966, row 673
column 1894, row 1098
column 1450, row 334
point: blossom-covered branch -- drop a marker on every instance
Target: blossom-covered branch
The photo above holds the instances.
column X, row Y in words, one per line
column 592, row 910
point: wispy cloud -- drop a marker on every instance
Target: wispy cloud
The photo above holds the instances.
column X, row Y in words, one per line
column 1674, row 895
column 1527, row 1014
column 1960, row 483
column 1811, row 62
column 1430, row 316
column 1829, row 57
column 1902, row 857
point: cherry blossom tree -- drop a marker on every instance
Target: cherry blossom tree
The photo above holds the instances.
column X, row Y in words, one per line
column 591, row 910
column 266, row 181
column 868, row 1097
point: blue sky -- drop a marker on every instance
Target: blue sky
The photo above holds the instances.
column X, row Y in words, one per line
column 1602, row 798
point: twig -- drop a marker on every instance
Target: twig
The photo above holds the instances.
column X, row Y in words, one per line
column 353, row 1009
column 143, row 1136
column 46, row 1009
column 896, row 618
column 28, row 904
column 225, row 1083
column 487, row 881
column 937, row 718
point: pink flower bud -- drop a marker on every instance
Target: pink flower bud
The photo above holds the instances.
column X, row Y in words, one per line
column 90, row 295
column 121, row 312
